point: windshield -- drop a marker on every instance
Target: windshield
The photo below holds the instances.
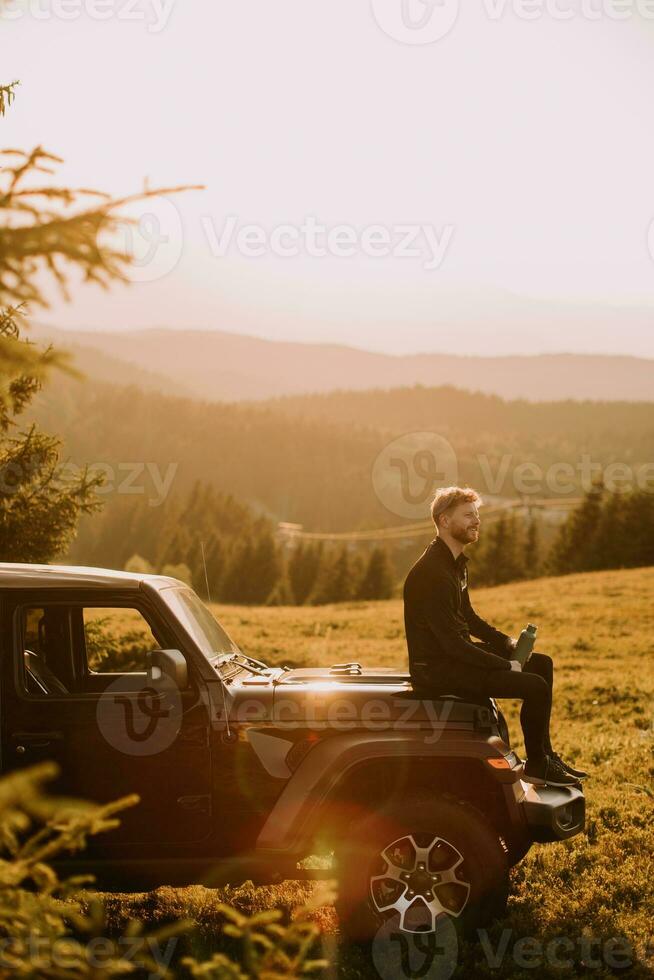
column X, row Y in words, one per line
column 196, row 619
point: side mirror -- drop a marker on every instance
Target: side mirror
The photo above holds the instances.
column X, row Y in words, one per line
column 167, row 666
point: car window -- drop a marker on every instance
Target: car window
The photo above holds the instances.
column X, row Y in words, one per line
column 46, row 650
column 69, row 649
column 199, row 622
column 117, row 640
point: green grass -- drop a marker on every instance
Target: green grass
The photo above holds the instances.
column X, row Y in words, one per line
column 599, row 628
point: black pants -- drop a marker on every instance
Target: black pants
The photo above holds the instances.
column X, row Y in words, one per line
column 532, row 685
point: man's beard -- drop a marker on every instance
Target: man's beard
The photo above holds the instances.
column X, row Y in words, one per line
column 462, row 534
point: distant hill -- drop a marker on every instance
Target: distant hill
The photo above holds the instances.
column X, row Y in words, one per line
column 483, row 420
column 310, row 459
column 219, row 366
column 97, row 365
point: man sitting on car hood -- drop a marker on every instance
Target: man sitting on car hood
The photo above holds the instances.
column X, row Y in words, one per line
column 439, row 621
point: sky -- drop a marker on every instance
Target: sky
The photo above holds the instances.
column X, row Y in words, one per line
column 396, row 175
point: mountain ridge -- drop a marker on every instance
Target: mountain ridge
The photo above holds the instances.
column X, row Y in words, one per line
column 224, row 366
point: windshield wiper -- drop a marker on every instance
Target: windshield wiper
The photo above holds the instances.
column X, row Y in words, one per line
column 243, row 661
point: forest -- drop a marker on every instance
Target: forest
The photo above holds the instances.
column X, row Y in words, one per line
column 231, row 555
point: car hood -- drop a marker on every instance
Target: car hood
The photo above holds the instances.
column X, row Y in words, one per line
column 347, row 696
column 341, row 697
column 354, row 674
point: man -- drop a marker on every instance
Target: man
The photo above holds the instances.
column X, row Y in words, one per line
column 439, row 620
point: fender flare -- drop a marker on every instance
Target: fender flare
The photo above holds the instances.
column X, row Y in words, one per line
column 331, row 759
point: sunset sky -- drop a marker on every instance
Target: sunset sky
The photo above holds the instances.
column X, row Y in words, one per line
column 524, row 147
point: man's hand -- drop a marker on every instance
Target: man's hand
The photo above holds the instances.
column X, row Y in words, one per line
column 511, row 644
column 515, row 665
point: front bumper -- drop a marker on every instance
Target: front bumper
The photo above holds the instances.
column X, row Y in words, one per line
column 551, row 813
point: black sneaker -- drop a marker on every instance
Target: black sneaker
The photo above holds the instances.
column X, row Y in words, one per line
column 547, row 772
column 577, row 773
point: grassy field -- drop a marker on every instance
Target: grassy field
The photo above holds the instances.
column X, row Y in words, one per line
column 594, row 893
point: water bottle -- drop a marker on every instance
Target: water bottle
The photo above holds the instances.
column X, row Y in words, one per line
column 525, row 644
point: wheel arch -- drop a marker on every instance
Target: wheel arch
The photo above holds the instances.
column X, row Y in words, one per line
column 348, row 775
column 373, row 783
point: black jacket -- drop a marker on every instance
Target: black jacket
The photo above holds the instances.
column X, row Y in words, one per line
column 439, row 619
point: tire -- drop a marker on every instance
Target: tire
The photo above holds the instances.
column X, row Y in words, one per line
column 517, row 850
column 464, row 873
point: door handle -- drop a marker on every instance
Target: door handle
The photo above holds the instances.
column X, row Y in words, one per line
column 196, row 804
column 35, row 740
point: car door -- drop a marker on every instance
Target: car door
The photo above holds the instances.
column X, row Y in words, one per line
column 75, row 690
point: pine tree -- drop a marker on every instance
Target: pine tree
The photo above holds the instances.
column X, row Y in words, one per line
column 610, row 538
column 632, row 529
column 577, row 539
column 378, row 580
column 358, row 566
column 237, row 586
column 295, row 567
column 178, row 549
column 334, row 580
column 196, row 564
column 41, row 232
column 303, row 568
column 40, row 504
column 497, row 536
column 282, row 593
column 342, row 584
column 515, row 557
column 500, row 558
column 7, row 96
column 266, row 567
column 533, row 552
column 215, row 559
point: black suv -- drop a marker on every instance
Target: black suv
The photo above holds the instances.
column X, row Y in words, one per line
column 244, row 770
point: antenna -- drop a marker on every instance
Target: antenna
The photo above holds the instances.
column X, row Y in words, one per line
column 204, row 565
